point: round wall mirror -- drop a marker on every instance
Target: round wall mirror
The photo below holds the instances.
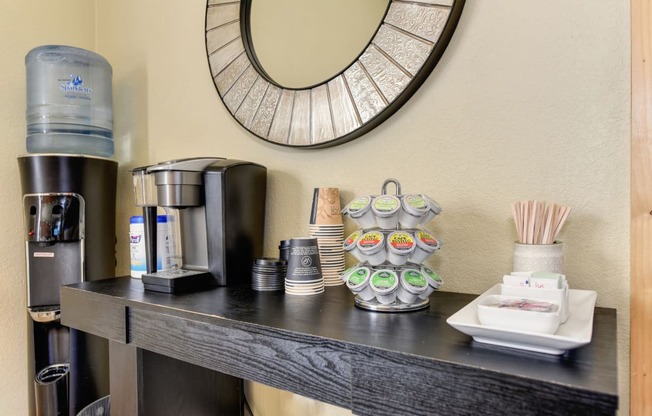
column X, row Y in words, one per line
column 351, row 71
column 318, row 39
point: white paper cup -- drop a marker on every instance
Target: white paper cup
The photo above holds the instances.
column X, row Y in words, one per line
column 384, row 284
column 400, row 245
column 412, row 284
column 385, row 209
column 372, row 247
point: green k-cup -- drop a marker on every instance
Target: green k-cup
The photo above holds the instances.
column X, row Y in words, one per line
column 411, row 285
column 360, row 211
column 358, row 283
column 434, row 281
column 413, row 210
column 385, row 209
column 384, row 284
column 346, row 273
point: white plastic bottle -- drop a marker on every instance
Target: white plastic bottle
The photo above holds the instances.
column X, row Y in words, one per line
column 137, row 245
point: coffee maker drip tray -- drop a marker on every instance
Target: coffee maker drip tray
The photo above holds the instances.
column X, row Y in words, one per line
column 178, row 281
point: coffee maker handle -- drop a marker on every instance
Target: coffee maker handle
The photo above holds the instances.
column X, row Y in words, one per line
column 149, row 219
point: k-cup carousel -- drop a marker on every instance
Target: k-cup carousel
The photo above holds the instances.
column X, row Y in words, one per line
column 391, row 246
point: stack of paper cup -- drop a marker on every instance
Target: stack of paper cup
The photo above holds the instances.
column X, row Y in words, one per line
column 304, row 275
column 327, row 227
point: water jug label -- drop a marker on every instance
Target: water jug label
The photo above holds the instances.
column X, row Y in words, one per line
column 73, row 87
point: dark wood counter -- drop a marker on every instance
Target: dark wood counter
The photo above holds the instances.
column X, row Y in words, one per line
column 325, row 348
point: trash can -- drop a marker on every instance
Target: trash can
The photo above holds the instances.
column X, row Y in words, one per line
column 100, row 407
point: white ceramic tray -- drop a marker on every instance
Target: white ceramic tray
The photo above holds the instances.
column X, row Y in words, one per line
column 574, row 333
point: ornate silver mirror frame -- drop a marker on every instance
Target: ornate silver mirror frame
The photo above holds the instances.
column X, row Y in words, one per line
column 406, row 47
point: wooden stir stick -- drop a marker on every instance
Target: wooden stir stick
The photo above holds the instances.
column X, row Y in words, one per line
column 538, row 222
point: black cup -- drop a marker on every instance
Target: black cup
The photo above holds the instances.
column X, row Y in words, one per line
column 304, row 264
column 284, row 250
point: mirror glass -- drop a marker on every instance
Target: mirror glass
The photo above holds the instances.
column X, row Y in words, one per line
column 317, row 73
column 301, row 43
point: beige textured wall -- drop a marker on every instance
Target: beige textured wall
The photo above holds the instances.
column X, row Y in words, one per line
column 530, row 101
column 24, row 25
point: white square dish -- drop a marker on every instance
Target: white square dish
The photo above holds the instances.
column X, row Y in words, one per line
column 574, row 333
column 555, row 295
column 519, row 314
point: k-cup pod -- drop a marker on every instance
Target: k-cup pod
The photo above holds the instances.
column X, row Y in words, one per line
column 434, row 281
column 425, row 245
column 360, row 211
column 400, row 245
column 350, row 244
column 413, row 210
column 385, row 209
column 412, row 284
column 433, row 209
column 303, row 262
column 372, row 247
column 358, row 283
column 346, row 273
column 326, row 207
column 384, row 283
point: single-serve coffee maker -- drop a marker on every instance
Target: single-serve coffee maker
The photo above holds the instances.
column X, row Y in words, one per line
column 69, row 211
column 216, row 220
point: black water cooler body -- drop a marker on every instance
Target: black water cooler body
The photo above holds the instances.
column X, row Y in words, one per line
column 69, row 211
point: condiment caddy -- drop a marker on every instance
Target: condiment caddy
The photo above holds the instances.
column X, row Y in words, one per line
column 531, row 330
column 391, row 246
column 533, row 311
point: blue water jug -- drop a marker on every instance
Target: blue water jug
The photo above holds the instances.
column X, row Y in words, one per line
column 69, row 101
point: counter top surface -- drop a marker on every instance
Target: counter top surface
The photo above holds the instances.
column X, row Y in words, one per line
column 421, row 336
